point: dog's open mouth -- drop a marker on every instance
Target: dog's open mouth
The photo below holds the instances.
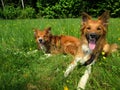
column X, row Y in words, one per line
column 92, row 43
column 92, row 40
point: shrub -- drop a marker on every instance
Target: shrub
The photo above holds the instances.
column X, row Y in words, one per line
column 74, row 8
column 9, row 12
column 28, row 12
column 1, row 14
column 61, row 9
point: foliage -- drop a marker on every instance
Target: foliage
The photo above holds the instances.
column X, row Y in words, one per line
column 61, row 9
column 73, row 8
column 28, row 12
column 9, row 12
column 58, row 8
column 98, row 7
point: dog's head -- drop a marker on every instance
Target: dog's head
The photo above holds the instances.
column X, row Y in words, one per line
column 94, row 30
column 42, row 36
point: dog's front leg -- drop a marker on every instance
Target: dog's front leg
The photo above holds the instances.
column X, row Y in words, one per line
column 71, row 66
column 48, row 55
column 84, row 78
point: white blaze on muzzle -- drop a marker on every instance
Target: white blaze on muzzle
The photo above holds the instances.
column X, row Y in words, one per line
column 40, row 40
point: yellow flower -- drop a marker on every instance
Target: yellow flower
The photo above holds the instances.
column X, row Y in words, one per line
column 104, row 57
column 103, row 53
column 65, row 88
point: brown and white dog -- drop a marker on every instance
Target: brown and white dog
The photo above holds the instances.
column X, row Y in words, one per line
column 56, row 44
column 92, row 43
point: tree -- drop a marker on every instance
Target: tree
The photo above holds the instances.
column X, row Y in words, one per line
column 22, row 4
column 2, row 3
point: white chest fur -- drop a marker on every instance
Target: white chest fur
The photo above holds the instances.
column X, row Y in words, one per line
column 86, row 49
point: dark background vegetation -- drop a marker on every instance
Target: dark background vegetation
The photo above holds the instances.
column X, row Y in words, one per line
column 15, row 9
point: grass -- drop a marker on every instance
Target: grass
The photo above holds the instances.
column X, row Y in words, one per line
column 20, row 70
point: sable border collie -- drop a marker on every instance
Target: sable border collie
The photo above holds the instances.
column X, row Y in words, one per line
column 92, row 43
column 54, row 44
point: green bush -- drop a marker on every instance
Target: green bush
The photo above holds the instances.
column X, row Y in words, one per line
column 28, row 12
column 9, row 12
column 74, row 8
column 115, row 8
column 98, row 7
column 1, row 13
column 60, row 9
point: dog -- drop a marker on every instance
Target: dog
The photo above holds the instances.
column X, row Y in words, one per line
column 54, row 44
column 92, row 43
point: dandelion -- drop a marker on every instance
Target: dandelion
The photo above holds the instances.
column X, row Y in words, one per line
column 103, row 53
column 65, row 88
column 104, row 57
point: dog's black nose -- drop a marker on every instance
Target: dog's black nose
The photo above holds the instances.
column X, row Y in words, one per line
column 40, row 40
column 93, row 35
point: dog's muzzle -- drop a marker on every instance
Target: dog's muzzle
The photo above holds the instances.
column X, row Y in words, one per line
column 40, row 41
column 92, row 38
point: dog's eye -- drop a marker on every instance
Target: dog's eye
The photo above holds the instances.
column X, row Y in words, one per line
column 98, row 28
column 45, row 37
column 88, row 28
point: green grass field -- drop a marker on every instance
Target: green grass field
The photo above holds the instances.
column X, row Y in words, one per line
column 20, row 69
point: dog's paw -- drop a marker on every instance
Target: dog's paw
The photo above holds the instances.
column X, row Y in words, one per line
column 79, row 88
column 68, row 70
column 48, row 55
column 32, row 52
column 66, row 74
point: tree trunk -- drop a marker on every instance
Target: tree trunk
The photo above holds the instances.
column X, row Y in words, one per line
column 22, row 3
column 2, row 4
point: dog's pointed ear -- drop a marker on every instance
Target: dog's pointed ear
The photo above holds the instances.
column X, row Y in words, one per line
column 85, row 18
column 48, row 30
column 104, row 18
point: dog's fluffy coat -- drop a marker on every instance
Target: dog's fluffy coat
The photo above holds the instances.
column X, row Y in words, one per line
column 92, row 43
column 54, row 44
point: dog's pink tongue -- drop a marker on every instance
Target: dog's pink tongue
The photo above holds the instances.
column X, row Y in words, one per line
column 92, row 45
